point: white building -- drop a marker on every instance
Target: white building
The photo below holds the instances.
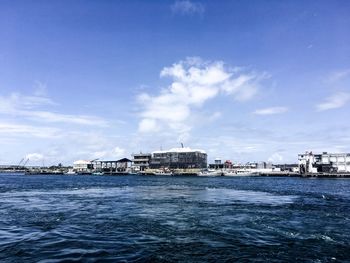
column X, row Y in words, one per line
column 325, row 162
column 82, row 166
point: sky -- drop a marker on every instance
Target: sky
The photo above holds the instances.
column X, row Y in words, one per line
column 243, row 80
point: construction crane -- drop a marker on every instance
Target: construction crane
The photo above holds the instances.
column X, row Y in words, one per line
column 19, row 164
column 25, row 162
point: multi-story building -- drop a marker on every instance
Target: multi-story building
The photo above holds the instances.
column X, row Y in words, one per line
column 179, row 158
column 83, row 166
column 325, row 162
column 141, row 161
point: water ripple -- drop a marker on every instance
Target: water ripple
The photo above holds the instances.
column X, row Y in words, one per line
column 162, row 219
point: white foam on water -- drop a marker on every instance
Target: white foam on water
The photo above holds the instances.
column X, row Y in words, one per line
column 226, row 195
column 87, row 192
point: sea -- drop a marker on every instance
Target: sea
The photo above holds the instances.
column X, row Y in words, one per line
column 60, row 218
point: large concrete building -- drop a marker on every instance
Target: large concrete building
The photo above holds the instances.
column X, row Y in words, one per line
column 324, row 163
column 141, row 161
column 179, row 158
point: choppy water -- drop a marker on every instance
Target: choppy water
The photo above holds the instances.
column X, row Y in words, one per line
column 167, row 219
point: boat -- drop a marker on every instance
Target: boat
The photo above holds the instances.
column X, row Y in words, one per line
column 211, row 173
column 98, row 173
column 163, row 173
column 70, row 172
column 241, row 172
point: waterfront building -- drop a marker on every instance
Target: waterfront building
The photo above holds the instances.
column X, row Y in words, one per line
column 179, row 158
column 264, row 165
column 83, row 166
column 228, row 164
column 141, row 161
column 217, row 165
column 121, row 165
column 324, row 163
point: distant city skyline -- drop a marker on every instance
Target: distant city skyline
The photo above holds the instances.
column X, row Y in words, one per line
column 243, row 80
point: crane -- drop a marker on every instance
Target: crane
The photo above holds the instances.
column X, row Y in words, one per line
column 25, row 162
column 19, row 164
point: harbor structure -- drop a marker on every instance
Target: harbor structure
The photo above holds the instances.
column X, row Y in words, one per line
column 217, row 164
column 118, row 166
column 141, row 161
column 324, row 163
column 114, row 166
column 179, row 158
column 83, row 166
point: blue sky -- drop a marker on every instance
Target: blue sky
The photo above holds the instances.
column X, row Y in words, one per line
column 243, row 80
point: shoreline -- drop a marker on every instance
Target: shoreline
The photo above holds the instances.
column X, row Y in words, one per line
column 271, row 174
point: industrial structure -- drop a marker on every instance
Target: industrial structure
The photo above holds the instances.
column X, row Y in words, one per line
column 82, row 166
column 324, row 163
column 86, row 166
column 179, row 158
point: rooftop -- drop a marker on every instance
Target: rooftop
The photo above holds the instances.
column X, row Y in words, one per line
column 181, row 150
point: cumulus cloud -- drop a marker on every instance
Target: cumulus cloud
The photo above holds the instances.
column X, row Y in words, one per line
column 193, row 83
column 335, row 101
column 271, row 111
column 27, row 106
column 187, row 7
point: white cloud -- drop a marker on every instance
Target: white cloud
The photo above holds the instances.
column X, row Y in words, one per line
column 27, row 106
column 13, row 129
column 270, row 111
column 34, row 157
column 15, row 101
column 113, row 154
column 275, row 158
column 47, row 116
column 339, row 75
column 337, row 100
column 187, row 7
column 148, row 125
column 118, row 152
column 216, row 115
column 40, row 89
column 194, row 82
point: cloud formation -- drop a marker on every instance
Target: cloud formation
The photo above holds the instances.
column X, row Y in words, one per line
column 27, row 106
column 335, row 101
column 338, row 75
column 21, row 130
column 187, row 7
column 271, row 111
column 193, row 83
column 34, row 157
column 115, row 153
column 275, row 158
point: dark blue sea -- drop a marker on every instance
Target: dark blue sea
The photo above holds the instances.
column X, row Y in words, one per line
column 173, row 219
